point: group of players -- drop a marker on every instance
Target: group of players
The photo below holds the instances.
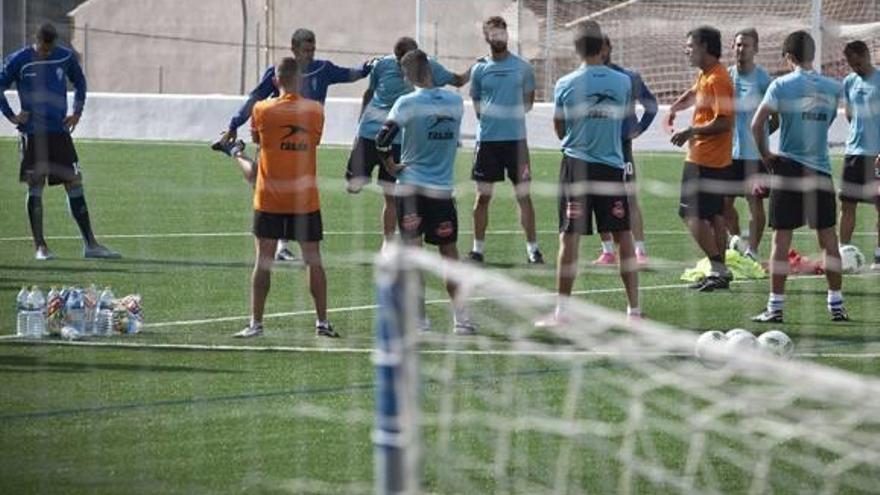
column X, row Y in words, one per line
column 409, row 129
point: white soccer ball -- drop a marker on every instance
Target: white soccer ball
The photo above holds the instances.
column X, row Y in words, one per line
column 852, row 259
column 741, row 341
column 776, row 343
column 710, row 348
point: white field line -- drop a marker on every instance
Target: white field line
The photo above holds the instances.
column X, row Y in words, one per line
column 370, row 350
column 172, row 235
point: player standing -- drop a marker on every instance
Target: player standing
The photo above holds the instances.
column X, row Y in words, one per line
column 750, row 82
column 705, row 177
column 633, row 127
column 802, row 191
column 317, row 76
column 288, row 129
column 591, row 104
column 387, row 84
column 861, row 167
column 40, row 73
column 503, row 90
column 429, row 120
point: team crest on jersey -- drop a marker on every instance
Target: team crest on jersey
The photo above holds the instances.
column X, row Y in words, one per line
column 574, row 210
column 445, row 229
column 617, row 209
column 411, row 221
column 59, row 73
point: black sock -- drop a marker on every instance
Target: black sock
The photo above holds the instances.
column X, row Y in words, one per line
column 35, row 215
column 76, row 200
column 717, row 258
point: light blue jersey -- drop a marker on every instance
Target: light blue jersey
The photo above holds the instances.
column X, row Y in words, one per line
column 388, row 84
column 593, row 100
column 807, row 104
column 498, row 87
column 863, row 102
column 750, row 89
column 429, row 121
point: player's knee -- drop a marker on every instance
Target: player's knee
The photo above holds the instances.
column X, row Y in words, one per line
column 483, row 199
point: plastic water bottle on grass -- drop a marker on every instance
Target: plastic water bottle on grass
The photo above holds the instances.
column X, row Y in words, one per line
column 36, row 317
column 21, row 314
column 90, row 303
column 75, row 316
column 54, row 311
column 104, row 315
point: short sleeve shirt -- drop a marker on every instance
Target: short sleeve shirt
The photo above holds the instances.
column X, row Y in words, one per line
column 714, row 98
column 289, row 128
column 499, row 88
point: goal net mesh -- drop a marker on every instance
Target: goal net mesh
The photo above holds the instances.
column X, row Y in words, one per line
column 600, row 405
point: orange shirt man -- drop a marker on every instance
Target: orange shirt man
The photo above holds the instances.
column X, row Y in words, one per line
column 286, row 203
column 710, row 147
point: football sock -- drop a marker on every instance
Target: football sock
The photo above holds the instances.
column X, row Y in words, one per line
column 877, row 252
column 35, row 214
column 76, row 201
column 282, row 244
column 835, row 299
column 478, row 246
column 322, row 323
column 561, row 306
column 608, row 247
column 633, row 311
column 640, row 247
column 256, row 324
column 531, row 247
column 775, row 302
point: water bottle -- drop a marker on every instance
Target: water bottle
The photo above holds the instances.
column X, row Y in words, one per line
column 75, row 313
column 54, row 311
column 36, row 318
column 104, row 315
column 21, row 312
column 90, row 301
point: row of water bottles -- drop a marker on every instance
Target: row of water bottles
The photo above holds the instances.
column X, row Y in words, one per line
column 69, row 312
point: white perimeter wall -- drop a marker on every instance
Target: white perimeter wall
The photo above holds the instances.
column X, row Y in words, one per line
column 201, row 118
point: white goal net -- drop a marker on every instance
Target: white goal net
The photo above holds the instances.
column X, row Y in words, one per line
column 600, row 405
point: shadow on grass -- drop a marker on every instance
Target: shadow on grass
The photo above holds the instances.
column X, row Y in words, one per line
column 30, row 364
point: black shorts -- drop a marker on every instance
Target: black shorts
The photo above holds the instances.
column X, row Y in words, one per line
column 51, row 156
column 800, row 195
column 742, row 171
column 860, row 180
column 434, row 218
column 587, row 189
column 702, row 191
column 493, row 158
column 629, row 165
column 301, row 227
column 364, row 158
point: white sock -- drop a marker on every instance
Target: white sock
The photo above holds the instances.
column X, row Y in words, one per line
column 255, row 323
column 561, row 306
column 282, row 244
column 608, row 247
column 877, row 252
column 460, row 314
column 633, row 311
column 478, row 246
column 775, row 302
column 640, row 247
column 835, row 299
column 531, row 247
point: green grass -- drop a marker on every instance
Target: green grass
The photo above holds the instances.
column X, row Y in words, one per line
column 111, row 420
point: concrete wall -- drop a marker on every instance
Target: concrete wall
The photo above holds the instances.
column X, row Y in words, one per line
column 195, row 47
column 201, row 118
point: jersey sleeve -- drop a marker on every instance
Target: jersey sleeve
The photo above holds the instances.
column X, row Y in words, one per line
column 440, row 74
column 337, row 74
column 263, row 90
column 648, row 101
column 8, row 75
column 476, row 82
column 528, row 78
column 771, row 97
column 558, row 106
column 722, row 93
column 75, row 74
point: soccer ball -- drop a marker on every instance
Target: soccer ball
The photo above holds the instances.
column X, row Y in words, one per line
column 710, row 348
column 852, row 259
column 741, row 341
column 776, row 343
